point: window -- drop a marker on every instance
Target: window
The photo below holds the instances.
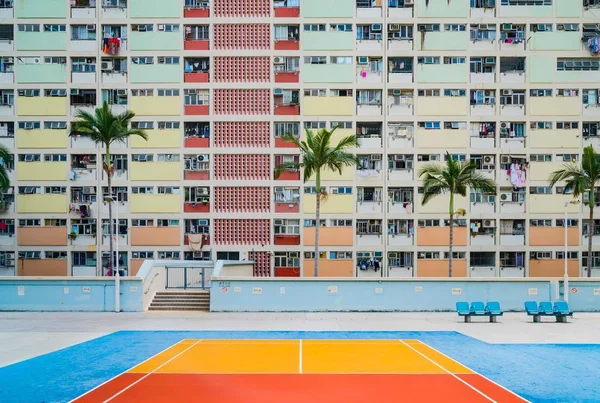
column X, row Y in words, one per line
column 142, row 60
column 56, row 60
column 540, row 158
column 428, row 255
column 169, row 255
column 369, row 194
column 8, row 228
column 83, row 226
column 341, row 27
column 142, row 157
column 540, row 93
column 197, row 33
column 340, row 190
column 142, row 27
column 428, row 60
column 28, row 28
column 455, row 60
column 567, row 93
column 567, row 125
column 540, row 255
column 455, row 27
column 313, row 223
column 341, row 59
column 570, row 222
column 341, row 125
column 340, row 255
column 55, row 255
column 483, row 32
column 142, row 255
column 341, row 223
column 287, row 227
column 400, row 162
column 195, row 97
column 287, row 259
column 430, row 125
column 142, row 190
column 342, row 93
column 285, row 128
column 512, row 97
column 55, row 190
column 29, row 125
column 400, row 227
column 540, row 190
column 368, row 227
column 142, row 93
column 315, row 125
column 167, row 223
column 84, row 259
column 316, row 60
column 30, row 255
column 540, row 125
column 540, row 223
column 287, row 195
column 142, row 125
column 369, row 97
column 30, row 222
column 590, row 129
column 583, row 64
column 168, row 125
column 168, row 27
column 429, row 27
column 314, row 27
column 455, row 255
column 455, row 93
column 428, row 223
column 526, row 2
column 570, row 255
column 311, row 255
column 168, row 157
column 168, row 93
column 55, row 93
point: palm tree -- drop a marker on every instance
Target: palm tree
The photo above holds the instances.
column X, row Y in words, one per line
column 105, row 128
column 455, row 178
column 317, row 154
column 5, row 158
column 582, row 180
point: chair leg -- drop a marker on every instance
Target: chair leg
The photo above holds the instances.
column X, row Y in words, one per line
column 467, row 319
column 493, row 319
column 537, row 319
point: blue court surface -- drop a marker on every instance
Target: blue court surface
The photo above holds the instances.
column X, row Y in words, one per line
column 541, row 373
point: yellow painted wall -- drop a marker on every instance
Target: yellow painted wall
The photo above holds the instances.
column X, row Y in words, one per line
column 155, row 203
column 152, row 106
column 41, row 106
column 555, row 138
column 42, row 203
column 551, row 204
column 327, row 175
column 443, row 138
column 155, row 171
column 42, row 138
column 328, row 106
column 334, row 204
column 439, row 204
column 158, row 139
column 540, row 171
column 42, row 171
column 442, row 106
column 336, row 137
column 555, row 106
column 329, row 236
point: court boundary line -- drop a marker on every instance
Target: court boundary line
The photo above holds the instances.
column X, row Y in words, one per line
column 445, row 370
column 476, row 373
column 126, row 371
column 153, row 371
column 300, row 358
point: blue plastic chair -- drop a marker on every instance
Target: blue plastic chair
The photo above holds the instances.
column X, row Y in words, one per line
column 562, row 308
column 478, row 308
column 546, row 308
column 462, row 308
column 531, row 307
column 493, row 308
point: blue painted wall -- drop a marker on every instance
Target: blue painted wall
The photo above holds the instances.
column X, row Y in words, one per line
column 312, row 295
column 69, row 295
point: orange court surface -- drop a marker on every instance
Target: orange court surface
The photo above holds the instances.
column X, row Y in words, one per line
column 295, row 371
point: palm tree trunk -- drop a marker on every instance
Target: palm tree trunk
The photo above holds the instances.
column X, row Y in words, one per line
column 451, row 240
column 108, row 170
column 318, row 221
column 590, row 236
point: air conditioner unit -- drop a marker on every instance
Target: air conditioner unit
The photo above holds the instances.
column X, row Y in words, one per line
column 197, row 254
column 402, row 132
column 396, row 92
column 560, row 27
column 106, row 66
column 277, row 91
column 504, row 125
column 489, row 223
column 363, row 60
column 507, row 196
column 507, row 92
column 161, row 27
column 278, row 60
column 408, row 2
column 28, row 126
column 394, row 27
column 488, row 159
column 534, row 28
column 202, row 157
column 334, row 191
column 505, row 159
column 89, row 190
column 36, row 61
column 203, row 191
column 91, row 27
column 376, row 27
column 7, row 59
column 142, row 158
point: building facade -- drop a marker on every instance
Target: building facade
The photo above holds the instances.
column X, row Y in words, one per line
column 511, row 84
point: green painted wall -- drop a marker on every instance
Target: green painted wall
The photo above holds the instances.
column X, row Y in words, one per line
column 541, row 69
column 557, row 40
column 327, row 8
column 442, row 73
column 155, row 40
column 41, row 40
column 443, row 8
column 566, row 8
column 41, row 73
column 155, row 73
column 328, row 73
column 155, row 8
column 330, row 40
column 40, row 8
column 442, row 40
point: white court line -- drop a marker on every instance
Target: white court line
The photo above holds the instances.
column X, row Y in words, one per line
column 300, row 358
column 448, row 372
column 151, row 372
column 477, row 373
column 127, row 370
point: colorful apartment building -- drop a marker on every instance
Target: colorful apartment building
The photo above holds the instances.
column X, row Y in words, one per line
column 511, row 84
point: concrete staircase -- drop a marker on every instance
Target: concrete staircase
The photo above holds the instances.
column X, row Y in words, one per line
column 181, row 300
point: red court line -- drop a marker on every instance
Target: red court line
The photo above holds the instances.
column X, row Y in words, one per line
column 297, row 388
column 109, row 389
column 491, row 389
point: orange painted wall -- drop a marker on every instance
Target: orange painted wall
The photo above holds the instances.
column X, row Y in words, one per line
column 439, row 236
column 42, row 267
column 134, row 266
column 155, row 236
column 439, row 268
column 42, row 236
column 329, row 236
column 553, row 236
column 329, row 268
column 553, row 267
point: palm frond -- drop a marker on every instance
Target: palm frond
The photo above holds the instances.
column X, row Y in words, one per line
column 5, row 158
column 284, row 166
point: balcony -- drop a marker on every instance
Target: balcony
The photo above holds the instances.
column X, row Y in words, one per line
column 116, row 10
column 400, row 233
column 369, row 200
column 287, row 199
column 483, row 37
column 114, row 71
column 400, row 201
column 400, row 71
column 368, row 135
column 400, row 102
column 197, row 167
column 196, row 9
column 483, row 265
column 83, row 168
column 287, row 37
column 400, row 135
column 483, row 103
column 197, row 200
column 482, row 203
column 286, row 102
column 512, row 232
column 197, row 70
column 368, row 103
column 483, row 135
column 286, row 8
column 286, row 69
column 197, row 37
column 196, row 135
column 197, row 102
column 483, row 9
column 369, row 38
column 483, row 233
column 155, row 236
column 82, row 100
column 512, row 36
column 512, row 70
column 83, row 9
column 400, row 38
column 290, row 174
column 512, row 201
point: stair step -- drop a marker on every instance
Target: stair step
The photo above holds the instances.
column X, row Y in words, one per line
column 162, row 303
column 177, row 309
